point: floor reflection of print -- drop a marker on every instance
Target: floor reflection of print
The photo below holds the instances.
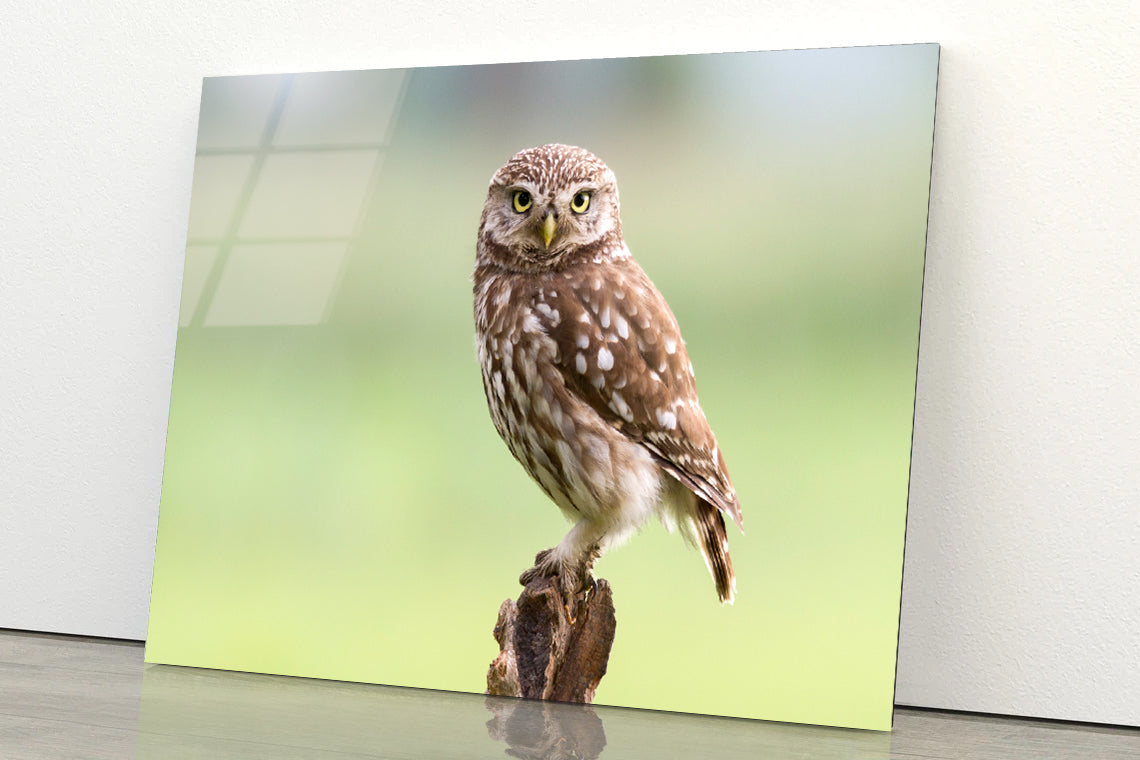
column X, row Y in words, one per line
column 536, row 729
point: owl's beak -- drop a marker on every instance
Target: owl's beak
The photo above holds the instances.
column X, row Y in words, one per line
column 548, row 227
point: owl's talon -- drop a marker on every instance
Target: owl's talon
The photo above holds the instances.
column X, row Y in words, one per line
column 571, row 599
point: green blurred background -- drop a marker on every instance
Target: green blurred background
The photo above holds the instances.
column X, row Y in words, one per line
column 336, row 502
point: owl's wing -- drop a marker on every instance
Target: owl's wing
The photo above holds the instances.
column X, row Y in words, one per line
column 620, row 351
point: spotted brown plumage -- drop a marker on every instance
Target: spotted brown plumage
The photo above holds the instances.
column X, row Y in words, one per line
column 586, row 376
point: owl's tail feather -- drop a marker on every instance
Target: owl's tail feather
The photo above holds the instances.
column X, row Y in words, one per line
column 712, row 540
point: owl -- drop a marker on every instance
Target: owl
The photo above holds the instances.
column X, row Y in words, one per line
column 586, row 376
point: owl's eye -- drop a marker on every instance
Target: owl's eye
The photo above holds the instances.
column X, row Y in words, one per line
column 522, row 200
column 580, row 202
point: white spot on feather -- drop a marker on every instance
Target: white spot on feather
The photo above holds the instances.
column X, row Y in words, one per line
column 667, row 420
column 617, row 403
column 605, row 359
column 580, row 364
column 622, row 326
column 549, row 313
column 670, row 346
column 604, row 317
column 582, row 341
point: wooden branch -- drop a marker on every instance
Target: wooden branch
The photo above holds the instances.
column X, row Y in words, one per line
column 549, row 652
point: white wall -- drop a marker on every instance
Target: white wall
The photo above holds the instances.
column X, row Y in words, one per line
column 1022, row 590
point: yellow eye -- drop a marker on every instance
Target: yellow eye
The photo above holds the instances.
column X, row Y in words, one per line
column 580, row 202
column 522, row 200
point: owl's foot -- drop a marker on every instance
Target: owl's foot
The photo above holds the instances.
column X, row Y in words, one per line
column 572, row 580
column 545, row 566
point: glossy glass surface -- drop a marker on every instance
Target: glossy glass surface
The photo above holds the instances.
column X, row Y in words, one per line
column 336, row 503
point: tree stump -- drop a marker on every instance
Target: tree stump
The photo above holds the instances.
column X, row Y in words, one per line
column 547, row 651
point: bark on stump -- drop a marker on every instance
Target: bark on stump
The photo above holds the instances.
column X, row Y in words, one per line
column 548, row 651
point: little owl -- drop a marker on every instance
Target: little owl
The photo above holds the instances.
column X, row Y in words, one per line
column 586, row 375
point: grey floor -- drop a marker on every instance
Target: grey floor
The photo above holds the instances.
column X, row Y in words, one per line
column 67, row 697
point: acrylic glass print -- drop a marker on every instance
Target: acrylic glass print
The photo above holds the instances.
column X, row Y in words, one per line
column 336, row 501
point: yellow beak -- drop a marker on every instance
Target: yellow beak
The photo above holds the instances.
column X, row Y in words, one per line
column 548, row 227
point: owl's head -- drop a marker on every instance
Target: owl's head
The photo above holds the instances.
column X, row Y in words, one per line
column 548, row 203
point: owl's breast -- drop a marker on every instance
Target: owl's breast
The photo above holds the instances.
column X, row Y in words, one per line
column 577, row 458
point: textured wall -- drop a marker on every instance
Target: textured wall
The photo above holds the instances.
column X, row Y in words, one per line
column 1022, row 590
